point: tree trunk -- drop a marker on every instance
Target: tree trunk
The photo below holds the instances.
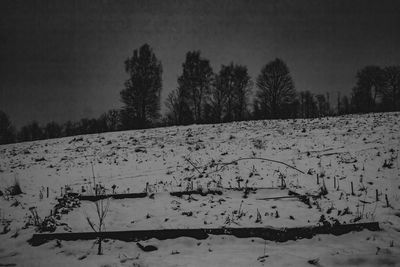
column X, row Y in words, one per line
column 99, row 252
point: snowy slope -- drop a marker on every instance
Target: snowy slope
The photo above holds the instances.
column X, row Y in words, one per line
column 358, row 149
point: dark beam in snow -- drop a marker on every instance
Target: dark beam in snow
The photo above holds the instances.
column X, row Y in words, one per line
column 176, row 193
column 144, row 194
column 115, row 196
column 196, row 192
column 267, row 233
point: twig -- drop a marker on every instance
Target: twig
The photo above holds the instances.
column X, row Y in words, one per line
column 280, row 197
column 191, row 163
column 265, row 159
column 387, row 201
column 94, row 180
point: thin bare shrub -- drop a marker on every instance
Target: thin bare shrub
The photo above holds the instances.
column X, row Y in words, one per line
column 102, row 207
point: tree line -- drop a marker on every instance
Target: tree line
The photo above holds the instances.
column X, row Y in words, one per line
column 205, row 96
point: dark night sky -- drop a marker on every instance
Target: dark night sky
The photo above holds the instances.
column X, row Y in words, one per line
column 62, row 60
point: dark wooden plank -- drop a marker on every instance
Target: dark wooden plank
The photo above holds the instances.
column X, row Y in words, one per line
column 115, row 196
column 177, row 193
column 195, row 192
column 267, row 233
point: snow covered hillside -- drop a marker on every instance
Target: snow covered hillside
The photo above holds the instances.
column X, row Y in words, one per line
column 338, row 153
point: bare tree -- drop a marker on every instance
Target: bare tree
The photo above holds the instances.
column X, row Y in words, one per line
column 345, row 105
column 218, row 99
column 229, row 96
column 275, row 88
column 338, row 103
column 221, row 94
column 30, row 132
column 391, row 89
column 52, row 130
column 7, row 131
column 173, row 107
column 322, row 105
column 195, row 83
column 109, row 121
column 308, row 106
column 242, row 89
column 370, row 81
column 328, row 103
column 102, row 206
column 178, row 110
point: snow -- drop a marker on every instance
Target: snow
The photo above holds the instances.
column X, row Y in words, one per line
column 358, row 149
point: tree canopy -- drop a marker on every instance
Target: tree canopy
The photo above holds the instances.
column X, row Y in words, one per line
column 141, row 96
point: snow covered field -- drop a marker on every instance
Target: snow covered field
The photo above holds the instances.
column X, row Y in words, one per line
column 357, row 149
